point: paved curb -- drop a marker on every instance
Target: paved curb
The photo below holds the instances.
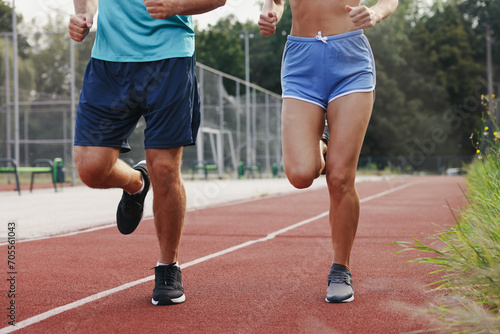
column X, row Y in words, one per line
column 44, row 212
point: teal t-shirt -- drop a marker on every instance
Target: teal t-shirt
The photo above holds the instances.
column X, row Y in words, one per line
column 127, row 33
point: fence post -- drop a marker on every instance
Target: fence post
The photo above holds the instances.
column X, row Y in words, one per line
column 200, row 155
column 220, row 137
column 73, row 104
column 254, row 128
column 248, row 125
column 238, row 123
column 266, row 108
column 8, row 134
column 278, row 132
column 17, row 155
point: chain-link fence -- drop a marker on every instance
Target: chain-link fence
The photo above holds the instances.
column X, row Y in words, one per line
column 240, row 131
column 240, row 125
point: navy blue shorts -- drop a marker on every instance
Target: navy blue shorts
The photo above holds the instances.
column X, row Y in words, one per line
column 115, row 95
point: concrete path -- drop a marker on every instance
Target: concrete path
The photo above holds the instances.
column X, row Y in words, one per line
column 44, row 212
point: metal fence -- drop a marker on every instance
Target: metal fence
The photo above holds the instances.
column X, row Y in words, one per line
column 239, row 133
column 240, row 125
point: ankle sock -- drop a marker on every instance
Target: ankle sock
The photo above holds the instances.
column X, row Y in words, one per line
column 159, row 264
column 142, row 188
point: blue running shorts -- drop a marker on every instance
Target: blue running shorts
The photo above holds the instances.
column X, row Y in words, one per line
column 320, row 69
column 115, row 95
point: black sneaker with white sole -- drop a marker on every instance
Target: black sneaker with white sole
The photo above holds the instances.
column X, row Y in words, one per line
column 168, row 286
column 340, row 288
column 131, row 207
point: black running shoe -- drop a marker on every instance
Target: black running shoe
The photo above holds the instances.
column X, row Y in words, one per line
column 339, row 285
column 325, row 138
column 131, row 207
column 168, row 286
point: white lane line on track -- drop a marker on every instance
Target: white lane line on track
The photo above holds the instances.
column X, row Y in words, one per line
column 43, row 316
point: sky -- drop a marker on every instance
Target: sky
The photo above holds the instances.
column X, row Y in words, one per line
column 40, row 9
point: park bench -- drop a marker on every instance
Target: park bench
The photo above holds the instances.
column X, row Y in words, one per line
column 55, row 168
column 206, row 167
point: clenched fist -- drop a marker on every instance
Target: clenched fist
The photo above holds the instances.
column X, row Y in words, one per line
column 79, row 26
column 362, row 16
column 160, row 9
column 267, row 23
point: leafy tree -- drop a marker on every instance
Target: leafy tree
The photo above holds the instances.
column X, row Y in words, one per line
column 445, row 51
column 430, row 68
column 267, row 53
column 51, row 53
column 483, row 13
column 427, row 74
column 26, row 71
column 25, row 66
column 427, row 81
column 219, row 46
column 6, row 26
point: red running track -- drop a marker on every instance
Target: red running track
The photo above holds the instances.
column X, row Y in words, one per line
column 255, row 267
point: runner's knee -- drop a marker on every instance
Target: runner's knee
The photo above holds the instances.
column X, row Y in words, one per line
column 300, row 176
column 339, row 183
column 92, row 174
column 92, row 171
column 164, row 174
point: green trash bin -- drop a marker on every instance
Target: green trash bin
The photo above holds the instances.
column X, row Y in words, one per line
column 275, row 169
column 241, row 169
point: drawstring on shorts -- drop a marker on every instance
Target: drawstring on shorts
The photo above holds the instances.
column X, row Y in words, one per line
column 320, row 38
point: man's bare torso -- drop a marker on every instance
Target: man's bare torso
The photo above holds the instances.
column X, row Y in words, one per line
column 328, row 16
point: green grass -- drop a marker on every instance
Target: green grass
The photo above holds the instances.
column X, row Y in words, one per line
column 468, row 255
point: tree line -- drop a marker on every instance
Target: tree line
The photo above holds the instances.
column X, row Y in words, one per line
column 431, row 69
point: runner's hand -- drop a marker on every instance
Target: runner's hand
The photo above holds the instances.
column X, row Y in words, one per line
column 79, row 26
column 362, row 16
column 267, row 23
column 160, row 9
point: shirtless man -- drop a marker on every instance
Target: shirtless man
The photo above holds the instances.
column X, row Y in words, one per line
column 328, row 67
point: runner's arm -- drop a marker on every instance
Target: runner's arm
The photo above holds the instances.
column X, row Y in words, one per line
column 80, row 23
column 364, row 17
column 162, row 9
column 272, row 11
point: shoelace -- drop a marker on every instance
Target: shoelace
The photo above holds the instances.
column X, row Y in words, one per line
column 338, row 277
column 320, row 38
column 166, row 275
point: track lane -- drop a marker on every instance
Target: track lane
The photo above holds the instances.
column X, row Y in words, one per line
column 206, row 231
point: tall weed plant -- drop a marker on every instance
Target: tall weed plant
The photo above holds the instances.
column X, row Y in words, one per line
column 468, row 255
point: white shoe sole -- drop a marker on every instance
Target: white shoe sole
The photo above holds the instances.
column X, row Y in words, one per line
column 342, row 301
column 179, row 300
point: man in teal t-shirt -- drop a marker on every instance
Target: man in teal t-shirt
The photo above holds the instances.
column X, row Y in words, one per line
column 142, row 64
